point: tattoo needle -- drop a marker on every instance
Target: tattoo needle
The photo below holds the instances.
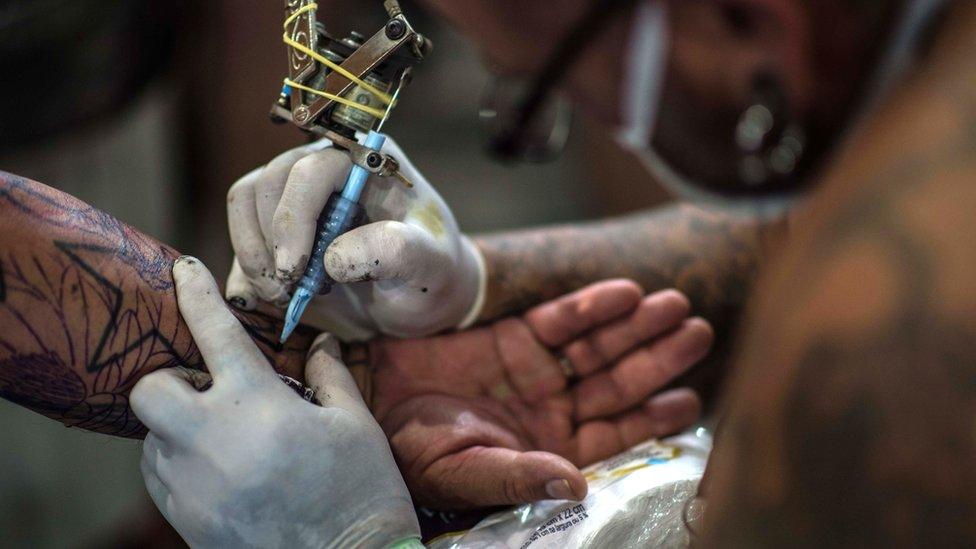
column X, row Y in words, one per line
column 342, row 213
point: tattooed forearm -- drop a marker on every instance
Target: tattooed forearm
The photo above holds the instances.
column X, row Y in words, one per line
column 87, row 307
column 710, row 256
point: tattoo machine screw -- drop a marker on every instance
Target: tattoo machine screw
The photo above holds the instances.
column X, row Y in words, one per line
column 336, row 89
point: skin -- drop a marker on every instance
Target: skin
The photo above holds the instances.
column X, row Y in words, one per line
column 850, row 420
column 711, row 257
column 717, row 48
column 87, row 308
column 488, row 417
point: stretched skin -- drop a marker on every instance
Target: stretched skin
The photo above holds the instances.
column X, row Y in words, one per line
column 87, row 307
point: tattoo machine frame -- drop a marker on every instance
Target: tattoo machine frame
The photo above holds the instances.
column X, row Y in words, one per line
column 335, row 89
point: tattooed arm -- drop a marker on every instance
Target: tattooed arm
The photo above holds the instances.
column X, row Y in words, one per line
column 710, row 256
column 850, row 419
column 87, row 308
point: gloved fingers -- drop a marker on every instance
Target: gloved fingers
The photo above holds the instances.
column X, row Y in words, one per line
column 157, row 489
column 559, row 321
column 655, row 315
column 340, row 314
column 155, row 454
column 661, row 415
column 224, row 344
column 309, row 185
column 387, row 250
column 329, row 378
column 248, row 241
column 239, row 291
column 268, row 189
column 530, row 367
column 486, row 476
column 165, row 402
column 643, row 371
column 159, row 492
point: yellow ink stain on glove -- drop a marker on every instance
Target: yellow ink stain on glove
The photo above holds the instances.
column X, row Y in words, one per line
column 429, row 216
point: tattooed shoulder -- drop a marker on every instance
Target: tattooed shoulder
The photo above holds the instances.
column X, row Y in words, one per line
column 850, row 422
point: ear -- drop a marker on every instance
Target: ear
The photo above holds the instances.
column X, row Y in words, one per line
column 720, row 45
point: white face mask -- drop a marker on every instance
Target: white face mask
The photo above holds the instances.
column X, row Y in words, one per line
column 645, row 64
column 646, row 67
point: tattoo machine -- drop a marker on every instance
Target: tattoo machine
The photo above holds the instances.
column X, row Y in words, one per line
column 336, row 89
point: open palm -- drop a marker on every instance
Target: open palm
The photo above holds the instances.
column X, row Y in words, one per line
column 489, row 416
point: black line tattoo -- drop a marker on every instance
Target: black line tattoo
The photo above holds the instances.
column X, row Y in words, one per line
column 85, row 315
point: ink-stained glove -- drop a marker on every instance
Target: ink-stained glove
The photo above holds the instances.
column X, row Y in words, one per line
column 407, row 272
column 249, row 463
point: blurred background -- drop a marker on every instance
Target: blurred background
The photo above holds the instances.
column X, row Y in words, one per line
column 150, row 110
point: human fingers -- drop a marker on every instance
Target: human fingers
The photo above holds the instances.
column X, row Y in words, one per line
column 309, row 185
column 643, row 371
column 239, row 291
column 559, row 321
column 330, row 379
column 530, row 367
column 224, row 344
column 387, row 250
column 165, row 402
column 656, row 314
column 661, row 415
column 248, row 242
column 487, row 476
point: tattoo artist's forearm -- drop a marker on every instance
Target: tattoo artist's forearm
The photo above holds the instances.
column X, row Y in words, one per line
column 711, row 257
column 87, row 307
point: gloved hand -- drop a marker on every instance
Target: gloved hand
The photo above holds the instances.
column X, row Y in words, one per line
column 249, row 463
column 407, row 272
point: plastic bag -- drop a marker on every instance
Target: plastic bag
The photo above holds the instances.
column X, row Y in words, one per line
column 635, row 499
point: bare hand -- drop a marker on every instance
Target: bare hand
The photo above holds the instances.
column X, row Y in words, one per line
column 488, row 416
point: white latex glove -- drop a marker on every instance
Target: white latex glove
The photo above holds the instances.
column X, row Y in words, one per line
column 408, row 272
column 249, row 463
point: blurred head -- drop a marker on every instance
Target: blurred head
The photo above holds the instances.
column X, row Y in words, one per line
column 744, row 97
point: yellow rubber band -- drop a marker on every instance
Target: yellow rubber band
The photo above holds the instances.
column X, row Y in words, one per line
column 298, row 13
column 377, row 113
column 382, row 96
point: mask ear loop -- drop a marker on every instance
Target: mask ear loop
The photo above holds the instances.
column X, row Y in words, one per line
column 646, row 61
